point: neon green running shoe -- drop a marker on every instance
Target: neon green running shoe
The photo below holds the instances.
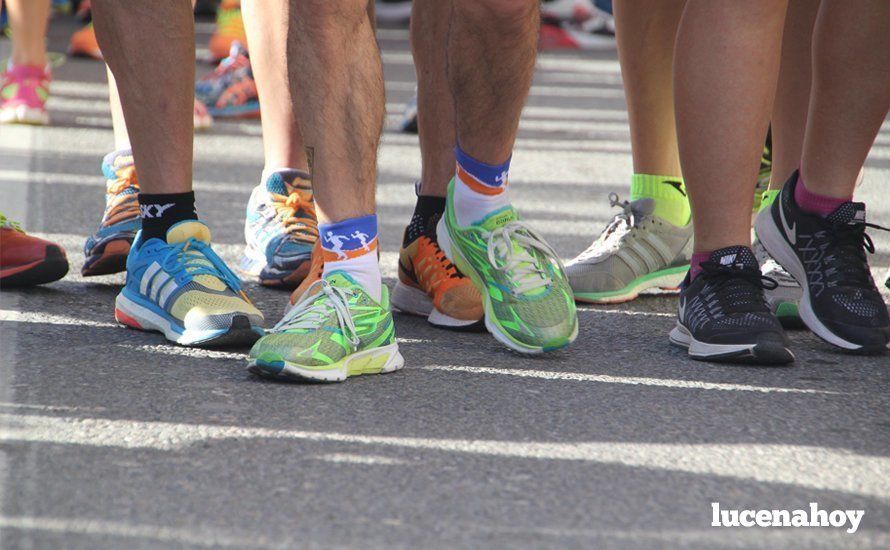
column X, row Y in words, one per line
column 528, row 304
column 336, row 330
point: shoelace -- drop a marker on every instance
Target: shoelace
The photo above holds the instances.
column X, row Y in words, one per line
column 845, row 245
column 311, row 311
column 527, row 275
column 440, row 266
column 611, row 236
column 194, row 258
column 741, row 287
column 6, row 222
column 287, row 207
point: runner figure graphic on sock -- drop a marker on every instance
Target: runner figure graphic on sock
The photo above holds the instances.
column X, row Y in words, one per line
column 337, row 241
column 363, row 237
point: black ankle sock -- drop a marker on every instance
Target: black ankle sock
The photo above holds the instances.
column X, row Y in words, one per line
column 426, row 215
column 161, row 212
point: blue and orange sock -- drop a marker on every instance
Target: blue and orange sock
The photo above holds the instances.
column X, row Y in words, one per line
column 351, row 246
column 479, row 189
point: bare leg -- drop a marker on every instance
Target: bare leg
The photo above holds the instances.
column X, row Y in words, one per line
column 28, row 20
column 121, row 136
column 851, row 93
column 789, row 118
column 726, row 66
column 492, row 47
column 435, row 105
column 646, row 33
column 155, row 85
column 337, row 83
column 266, row 25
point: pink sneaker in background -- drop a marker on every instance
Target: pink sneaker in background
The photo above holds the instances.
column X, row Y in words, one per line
column 24, row 90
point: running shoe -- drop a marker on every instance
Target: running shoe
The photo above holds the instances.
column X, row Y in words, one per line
column 26, row 260
column 202, row 117
column 723, row 314
column 637, row 251
column 106, row 250
column 765, row 173
column 335, row 331
column 61, row 7
column 392, row 11
column 782, row 299
column 528, row 304
column 229, row 29
column 594, row 34
column 182, row 289
column 280, row 229
column 84, row 11
column 230, row 91
column 840, row 301
column 83, row 43
column 557, row 11
column 24, row 90
column 432, row 287
column 316, row 272
column 408, row 123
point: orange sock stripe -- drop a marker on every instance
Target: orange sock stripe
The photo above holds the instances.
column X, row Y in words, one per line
column 467, row 179
column 332, row 256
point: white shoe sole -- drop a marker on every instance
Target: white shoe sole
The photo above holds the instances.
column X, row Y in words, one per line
column 749, row 353
column 774, row 242
column 416, row 302
column 24, row 115
column 363, row 362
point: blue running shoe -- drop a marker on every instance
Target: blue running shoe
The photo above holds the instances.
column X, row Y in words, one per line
column 230, row 91
column 106, row 250
column 182, row 289
column 280, row 229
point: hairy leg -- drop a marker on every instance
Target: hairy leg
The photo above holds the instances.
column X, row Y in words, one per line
column 266, row 24
column 646, row 33
column 789, row 119
column 28, row 20
column 492, row 47
column 850, row 95
column 155, row 79
column 435, row 105
column 337, row 82
column 726, row 65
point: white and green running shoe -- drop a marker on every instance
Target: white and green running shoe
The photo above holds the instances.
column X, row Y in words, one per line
column 336, row 330
column 527, row 300
column 637, row 251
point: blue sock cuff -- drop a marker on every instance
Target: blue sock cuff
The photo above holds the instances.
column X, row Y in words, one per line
column 352, row 234
column 492, row 176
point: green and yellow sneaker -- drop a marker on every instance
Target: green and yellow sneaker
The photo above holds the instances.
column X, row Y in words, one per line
column 528, row 303
column 336, row 330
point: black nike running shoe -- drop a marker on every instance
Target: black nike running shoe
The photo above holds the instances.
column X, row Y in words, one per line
column 827, row 256
column 724, row 316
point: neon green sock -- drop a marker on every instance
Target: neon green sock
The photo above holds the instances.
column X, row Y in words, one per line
column 669, row 194
column 767, row 199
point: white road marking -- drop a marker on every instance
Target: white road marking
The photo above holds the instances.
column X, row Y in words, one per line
column 630, row 380
column 349, row 458
column 50, row 319
column 802, row 466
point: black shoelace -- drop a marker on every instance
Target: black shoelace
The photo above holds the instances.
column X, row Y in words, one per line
column 737, row 289
column 844, row 246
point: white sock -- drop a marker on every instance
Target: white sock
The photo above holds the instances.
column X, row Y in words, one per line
column 479, row 188
column 471, row 207
column 350, row 246
column 364, row 269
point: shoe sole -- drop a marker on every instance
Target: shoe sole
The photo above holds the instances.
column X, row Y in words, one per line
column 757, row 353
column 251, row 266
column 381, row 360
column 52, row 267
column 665, row 279
column 457, row 258
column 414, row 301
column 132, row 314
column 775, row 244
column 112, row 259
column 24, row 115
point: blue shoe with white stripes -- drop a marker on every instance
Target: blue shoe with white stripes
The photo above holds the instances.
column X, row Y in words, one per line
column 182, row 289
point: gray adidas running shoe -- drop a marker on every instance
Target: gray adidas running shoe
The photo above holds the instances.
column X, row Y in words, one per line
column 784, row 298
column 637, row 251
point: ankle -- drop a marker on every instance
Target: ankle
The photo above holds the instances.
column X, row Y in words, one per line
column 815, row 202
column 350, row 246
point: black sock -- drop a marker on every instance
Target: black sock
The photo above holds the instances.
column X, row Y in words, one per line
column 426, row 215
column 161, row 212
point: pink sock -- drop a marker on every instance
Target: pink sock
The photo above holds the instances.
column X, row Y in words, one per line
column 814, row 203
column 695, row 263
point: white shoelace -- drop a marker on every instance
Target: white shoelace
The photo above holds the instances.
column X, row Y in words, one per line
column 310, row 312
column 611, row 237
column 527, row 275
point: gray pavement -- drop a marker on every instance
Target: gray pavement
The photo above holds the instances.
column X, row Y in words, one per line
column 111, row 438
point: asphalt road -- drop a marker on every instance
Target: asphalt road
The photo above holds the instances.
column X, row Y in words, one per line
column 112, row 438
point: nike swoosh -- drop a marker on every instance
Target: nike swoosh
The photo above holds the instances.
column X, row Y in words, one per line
column 682, row 310
column 676, row 185
column 790, row 230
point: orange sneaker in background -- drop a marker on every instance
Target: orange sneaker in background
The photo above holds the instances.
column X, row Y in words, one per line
column 27, row 260
column 229, row 29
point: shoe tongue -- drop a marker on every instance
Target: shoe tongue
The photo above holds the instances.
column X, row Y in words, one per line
column 283, row 182
column 191, row 229
column 499, row 218
column 740, row 257
column 643, row 207
column 850, row 213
